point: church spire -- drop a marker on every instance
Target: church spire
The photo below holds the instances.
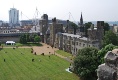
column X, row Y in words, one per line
column 81, row 19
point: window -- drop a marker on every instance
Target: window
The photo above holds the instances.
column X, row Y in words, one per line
column 72, row 48
column 76, row 49
column 93, row 45
column 76, row 43
column 79, row 44
column 72, row 43
column 83, row 45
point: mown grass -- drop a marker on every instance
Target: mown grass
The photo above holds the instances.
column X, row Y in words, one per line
column 19, row 44
column 63, row 53
column 19, row 66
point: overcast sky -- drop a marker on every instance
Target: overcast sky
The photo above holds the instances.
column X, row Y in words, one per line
column 92, row 10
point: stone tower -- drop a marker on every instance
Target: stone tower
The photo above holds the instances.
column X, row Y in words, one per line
column 100, row 32
column 69, row 28
column 81, row 26
column 92, row 33
column 54, row 29
column 43, row 27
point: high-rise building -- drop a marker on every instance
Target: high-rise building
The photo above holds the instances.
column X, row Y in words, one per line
column 13, row 17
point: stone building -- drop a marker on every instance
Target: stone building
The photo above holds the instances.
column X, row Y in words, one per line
column 55, row 27
column 53, row 35
column 72, row 43
column 59, row 41
column 115, row 29
column 69, row 29
column 96, row 34
column 100, row 32
column 44, row 27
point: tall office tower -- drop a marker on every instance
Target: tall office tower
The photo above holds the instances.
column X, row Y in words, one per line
column 13, row 17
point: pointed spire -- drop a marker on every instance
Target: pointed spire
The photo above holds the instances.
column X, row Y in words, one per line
column 81, row 19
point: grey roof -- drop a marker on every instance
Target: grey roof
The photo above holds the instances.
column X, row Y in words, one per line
column 75, row 36
column 93, row 29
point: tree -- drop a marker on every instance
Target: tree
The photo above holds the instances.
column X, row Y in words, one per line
column 86, row 62
column 110, row 38
column 0, row 43
column 106, row 27
column 23, row 39
column 75, row 27
column 31, row 38
column 103, row 51
column 87, row 26
column 27, row 37
column 37, row 39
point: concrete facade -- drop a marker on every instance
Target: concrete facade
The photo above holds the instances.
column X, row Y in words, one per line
column 13, row 17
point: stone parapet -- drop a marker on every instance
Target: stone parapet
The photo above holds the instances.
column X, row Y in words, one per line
column 108, row 70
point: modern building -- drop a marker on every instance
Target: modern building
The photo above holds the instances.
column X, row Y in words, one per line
column 13, row 17
column 1, row 22
column 26, row 23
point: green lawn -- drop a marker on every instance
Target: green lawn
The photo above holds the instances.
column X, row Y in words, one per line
column 63, row 53
column 28, row 44
column 19, row 66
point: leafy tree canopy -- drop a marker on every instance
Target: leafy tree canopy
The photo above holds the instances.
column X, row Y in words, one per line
column 74, row 26
column 24, row 38
column 110, row 38
column 103, row 51
column 106, row 27
column 86, row 62
column 87, row 26
column 37, row 39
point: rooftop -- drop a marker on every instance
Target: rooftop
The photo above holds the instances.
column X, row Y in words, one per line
column 76, row 36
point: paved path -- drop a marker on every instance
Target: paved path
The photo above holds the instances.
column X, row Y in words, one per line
column 46, row 49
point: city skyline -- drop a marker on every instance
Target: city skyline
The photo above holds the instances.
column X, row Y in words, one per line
column 92, row 10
